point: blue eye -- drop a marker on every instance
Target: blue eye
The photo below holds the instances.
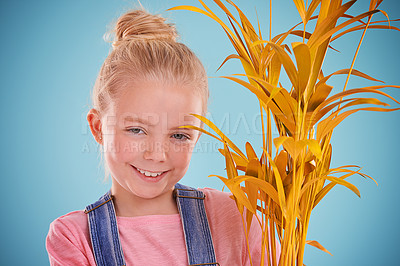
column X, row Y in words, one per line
column 180, row 136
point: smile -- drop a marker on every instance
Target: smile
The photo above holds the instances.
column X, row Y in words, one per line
column 149, row 173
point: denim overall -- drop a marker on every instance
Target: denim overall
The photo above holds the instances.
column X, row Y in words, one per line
column 104, row 235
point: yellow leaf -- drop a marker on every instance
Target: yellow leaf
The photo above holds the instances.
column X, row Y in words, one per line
column 326, row 24
column 359, row 101
column 251, row 154
column 327, row 125
column 362, row 27
column 261, row 184
column 287, row 121
column 341, row 170
column 241, row 198
column 280, row 96
column 286, row 62
column 327, row 19
column 251, row 188
column 281, row 162
column 314, row 4
column 226, row 182
column 274, row 70
column 371, row 89
column 230, row 164
column 252, row 167
column 278, row 141
column 235, row 41
column 301, row 9
column 317, row 245
column 260, row 94
column 249, row 218
column 323, row 12
column 294, row 148
column 321, row 93
column 327, row 35
column 322, row 193
column 219, row 133
column 346, row 71
column 232, row 56
column 344, row 183
column 303, row 60
column 247, row 27
column 201, row 130
column 349, row 103
column 305, row 187
column 279, row 184
column 239, row 161
column 315, row 148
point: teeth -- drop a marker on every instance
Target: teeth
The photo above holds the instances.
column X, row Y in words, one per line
column 147, row 173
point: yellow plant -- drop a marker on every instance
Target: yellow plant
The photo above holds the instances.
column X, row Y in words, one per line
column 293, row 173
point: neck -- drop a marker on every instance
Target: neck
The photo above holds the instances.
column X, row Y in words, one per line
column 128, row 204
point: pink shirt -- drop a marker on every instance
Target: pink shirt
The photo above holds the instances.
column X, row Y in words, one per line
column 157, row 239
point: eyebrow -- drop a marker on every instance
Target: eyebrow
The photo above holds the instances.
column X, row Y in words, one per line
column 182, row 128
column 147, row 122
column 139, row 120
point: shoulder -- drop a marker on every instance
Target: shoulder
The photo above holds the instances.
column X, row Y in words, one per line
column 68, row 240
column 71, row 227
column 214, row 191
column 219, row 202
column 220, row 207
column 73, row 221
column 216, row 195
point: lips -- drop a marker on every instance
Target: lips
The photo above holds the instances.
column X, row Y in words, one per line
column 149, row 175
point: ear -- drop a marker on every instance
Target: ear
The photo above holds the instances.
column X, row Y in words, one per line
column 93, row 117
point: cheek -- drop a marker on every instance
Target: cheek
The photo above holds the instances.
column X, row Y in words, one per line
column 181, row 155
column 120, row 148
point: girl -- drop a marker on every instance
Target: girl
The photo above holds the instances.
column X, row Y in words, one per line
column 146, row 90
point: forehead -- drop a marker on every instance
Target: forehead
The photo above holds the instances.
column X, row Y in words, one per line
column 156, row 101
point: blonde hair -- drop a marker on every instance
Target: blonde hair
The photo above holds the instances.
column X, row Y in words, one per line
column 145, row 48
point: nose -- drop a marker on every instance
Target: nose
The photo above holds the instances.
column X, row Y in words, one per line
column 156, row 151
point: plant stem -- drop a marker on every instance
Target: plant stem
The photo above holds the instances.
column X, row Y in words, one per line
column 247, row 240
column 270, row 20
column 355, row 55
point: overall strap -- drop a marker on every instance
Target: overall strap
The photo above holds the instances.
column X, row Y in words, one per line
column 199, row 245
column 103, row 230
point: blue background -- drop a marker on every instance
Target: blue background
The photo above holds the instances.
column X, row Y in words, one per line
column 51, row 52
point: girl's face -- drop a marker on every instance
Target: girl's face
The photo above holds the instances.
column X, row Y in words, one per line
column 146, row 151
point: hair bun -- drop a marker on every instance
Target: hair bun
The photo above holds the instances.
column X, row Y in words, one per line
column 140, row 25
